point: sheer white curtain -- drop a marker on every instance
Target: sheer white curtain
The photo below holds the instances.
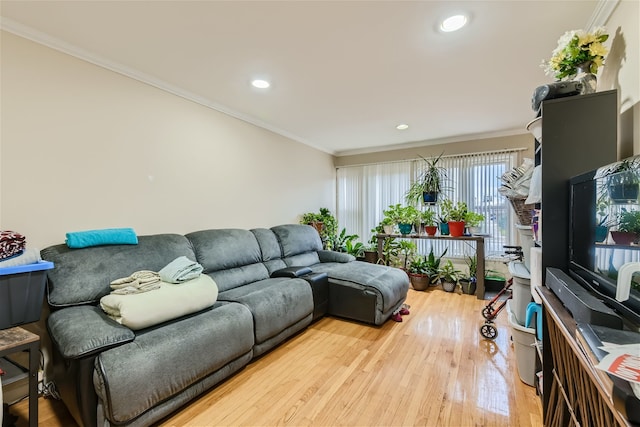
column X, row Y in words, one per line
column 364, row 191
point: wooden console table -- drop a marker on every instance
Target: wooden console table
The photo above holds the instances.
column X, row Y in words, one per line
column 575, row 392
column 479, row 242
column 17, row 339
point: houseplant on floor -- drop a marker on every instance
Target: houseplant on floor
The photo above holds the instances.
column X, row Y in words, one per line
column 407, row 249
column 433, row 266
column 325, row 223
column 468, row 283
column 418, row 272
column 449, row 276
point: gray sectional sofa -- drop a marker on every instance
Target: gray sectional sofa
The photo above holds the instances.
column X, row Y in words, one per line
column 272, row 283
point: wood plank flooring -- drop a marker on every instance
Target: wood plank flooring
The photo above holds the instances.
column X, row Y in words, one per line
column 432, row 369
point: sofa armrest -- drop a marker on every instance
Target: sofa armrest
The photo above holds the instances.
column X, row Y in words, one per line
column 333, row 256
column 291, row 272
column 85, row 330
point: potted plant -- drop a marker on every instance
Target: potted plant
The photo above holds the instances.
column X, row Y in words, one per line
column 433, row 265
column 406, row 248
column 456, row 214
column 418, row 272
column 343, row 239
column 428, row 221
column 325, row 223
column 392, row 216
column 429, row 184
column 628, row 228
column 407, row 217
column 472, row 221
column 449, row 276
column 468, row 283
column 356, row 249
column 371, row 248
column 623, row 181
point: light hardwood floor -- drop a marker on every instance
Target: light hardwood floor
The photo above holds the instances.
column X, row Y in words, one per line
column 432, row 369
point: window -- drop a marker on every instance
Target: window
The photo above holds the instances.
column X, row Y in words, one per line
column 364, row 191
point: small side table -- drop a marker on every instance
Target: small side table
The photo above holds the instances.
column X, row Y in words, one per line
column 17, row 339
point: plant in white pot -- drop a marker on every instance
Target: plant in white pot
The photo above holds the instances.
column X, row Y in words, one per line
column 449, row 276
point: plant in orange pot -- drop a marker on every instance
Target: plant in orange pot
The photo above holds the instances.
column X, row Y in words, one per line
column 456, row 214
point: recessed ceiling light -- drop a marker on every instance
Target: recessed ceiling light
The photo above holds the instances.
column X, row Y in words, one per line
column 453, row 23
column 402, row 126
column 260, row 84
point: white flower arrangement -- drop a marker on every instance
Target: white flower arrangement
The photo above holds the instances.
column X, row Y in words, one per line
column 577, row 48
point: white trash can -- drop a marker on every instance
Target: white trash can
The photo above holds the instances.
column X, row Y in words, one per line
column 520, row 290
column 524, row 345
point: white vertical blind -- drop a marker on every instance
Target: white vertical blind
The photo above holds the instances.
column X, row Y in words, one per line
column 364, row 191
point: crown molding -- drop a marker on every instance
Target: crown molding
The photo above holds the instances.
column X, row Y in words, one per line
column 601, row 14
column 39, row 37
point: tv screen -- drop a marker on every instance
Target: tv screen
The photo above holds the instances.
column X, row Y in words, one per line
column 604, row 235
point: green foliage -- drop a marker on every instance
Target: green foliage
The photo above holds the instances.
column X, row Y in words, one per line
column 454, row 212
column 341, row 240
column 431, row 179
column 448, row 272
column 629, row 221
column 419, row 265
column 473, row 219
column 407, row 249
column 472, row 264
column 356, row 249
column 433, row 265
column 329, row 229
column 390, row 250
column 428, row 217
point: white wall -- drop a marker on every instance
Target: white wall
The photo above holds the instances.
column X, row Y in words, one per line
column 622, row 70
column 84, row 148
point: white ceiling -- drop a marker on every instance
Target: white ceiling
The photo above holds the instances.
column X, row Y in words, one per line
column 344, row 73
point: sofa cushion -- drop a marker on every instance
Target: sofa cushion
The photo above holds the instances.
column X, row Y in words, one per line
column 271, row 250
column 275, row 304
column 162, row 362
column 389, row 284
column 297, row 239
column 232, row 257
column 82, row 276
column 85, row 330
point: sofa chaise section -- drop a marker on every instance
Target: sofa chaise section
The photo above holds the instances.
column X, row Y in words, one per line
column 357, row 290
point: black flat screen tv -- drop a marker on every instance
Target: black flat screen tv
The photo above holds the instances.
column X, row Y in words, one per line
column 600, row 210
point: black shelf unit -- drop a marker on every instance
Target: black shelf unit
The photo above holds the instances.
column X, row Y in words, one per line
column 579, row 134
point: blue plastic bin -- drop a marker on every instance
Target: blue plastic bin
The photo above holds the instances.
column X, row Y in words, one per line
column 22, row 293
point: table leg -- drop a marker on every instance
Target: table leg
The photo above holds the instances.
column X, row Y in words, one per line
column 34, row 365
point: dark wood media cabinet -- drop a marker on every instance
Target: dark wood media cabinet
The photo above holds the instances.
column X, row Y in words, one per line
column 574, row 391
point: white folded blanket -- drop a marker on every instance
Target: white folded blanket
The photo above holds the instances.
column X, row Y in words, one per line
column 180, row 270
column 170, row 301
column 29, row 256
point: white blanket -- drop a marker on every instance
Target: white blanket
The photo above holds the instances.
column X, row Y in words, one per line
column 139, row 311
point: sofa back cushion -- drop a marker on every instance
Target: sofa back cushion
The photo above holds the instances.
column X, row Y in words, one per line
column 270, row 248
column 232, row 257
column 300, row 244
column 83, row 276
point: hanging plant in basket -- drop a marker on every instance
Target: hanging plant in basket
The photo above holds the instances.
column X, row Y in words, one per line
column 429, row 184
